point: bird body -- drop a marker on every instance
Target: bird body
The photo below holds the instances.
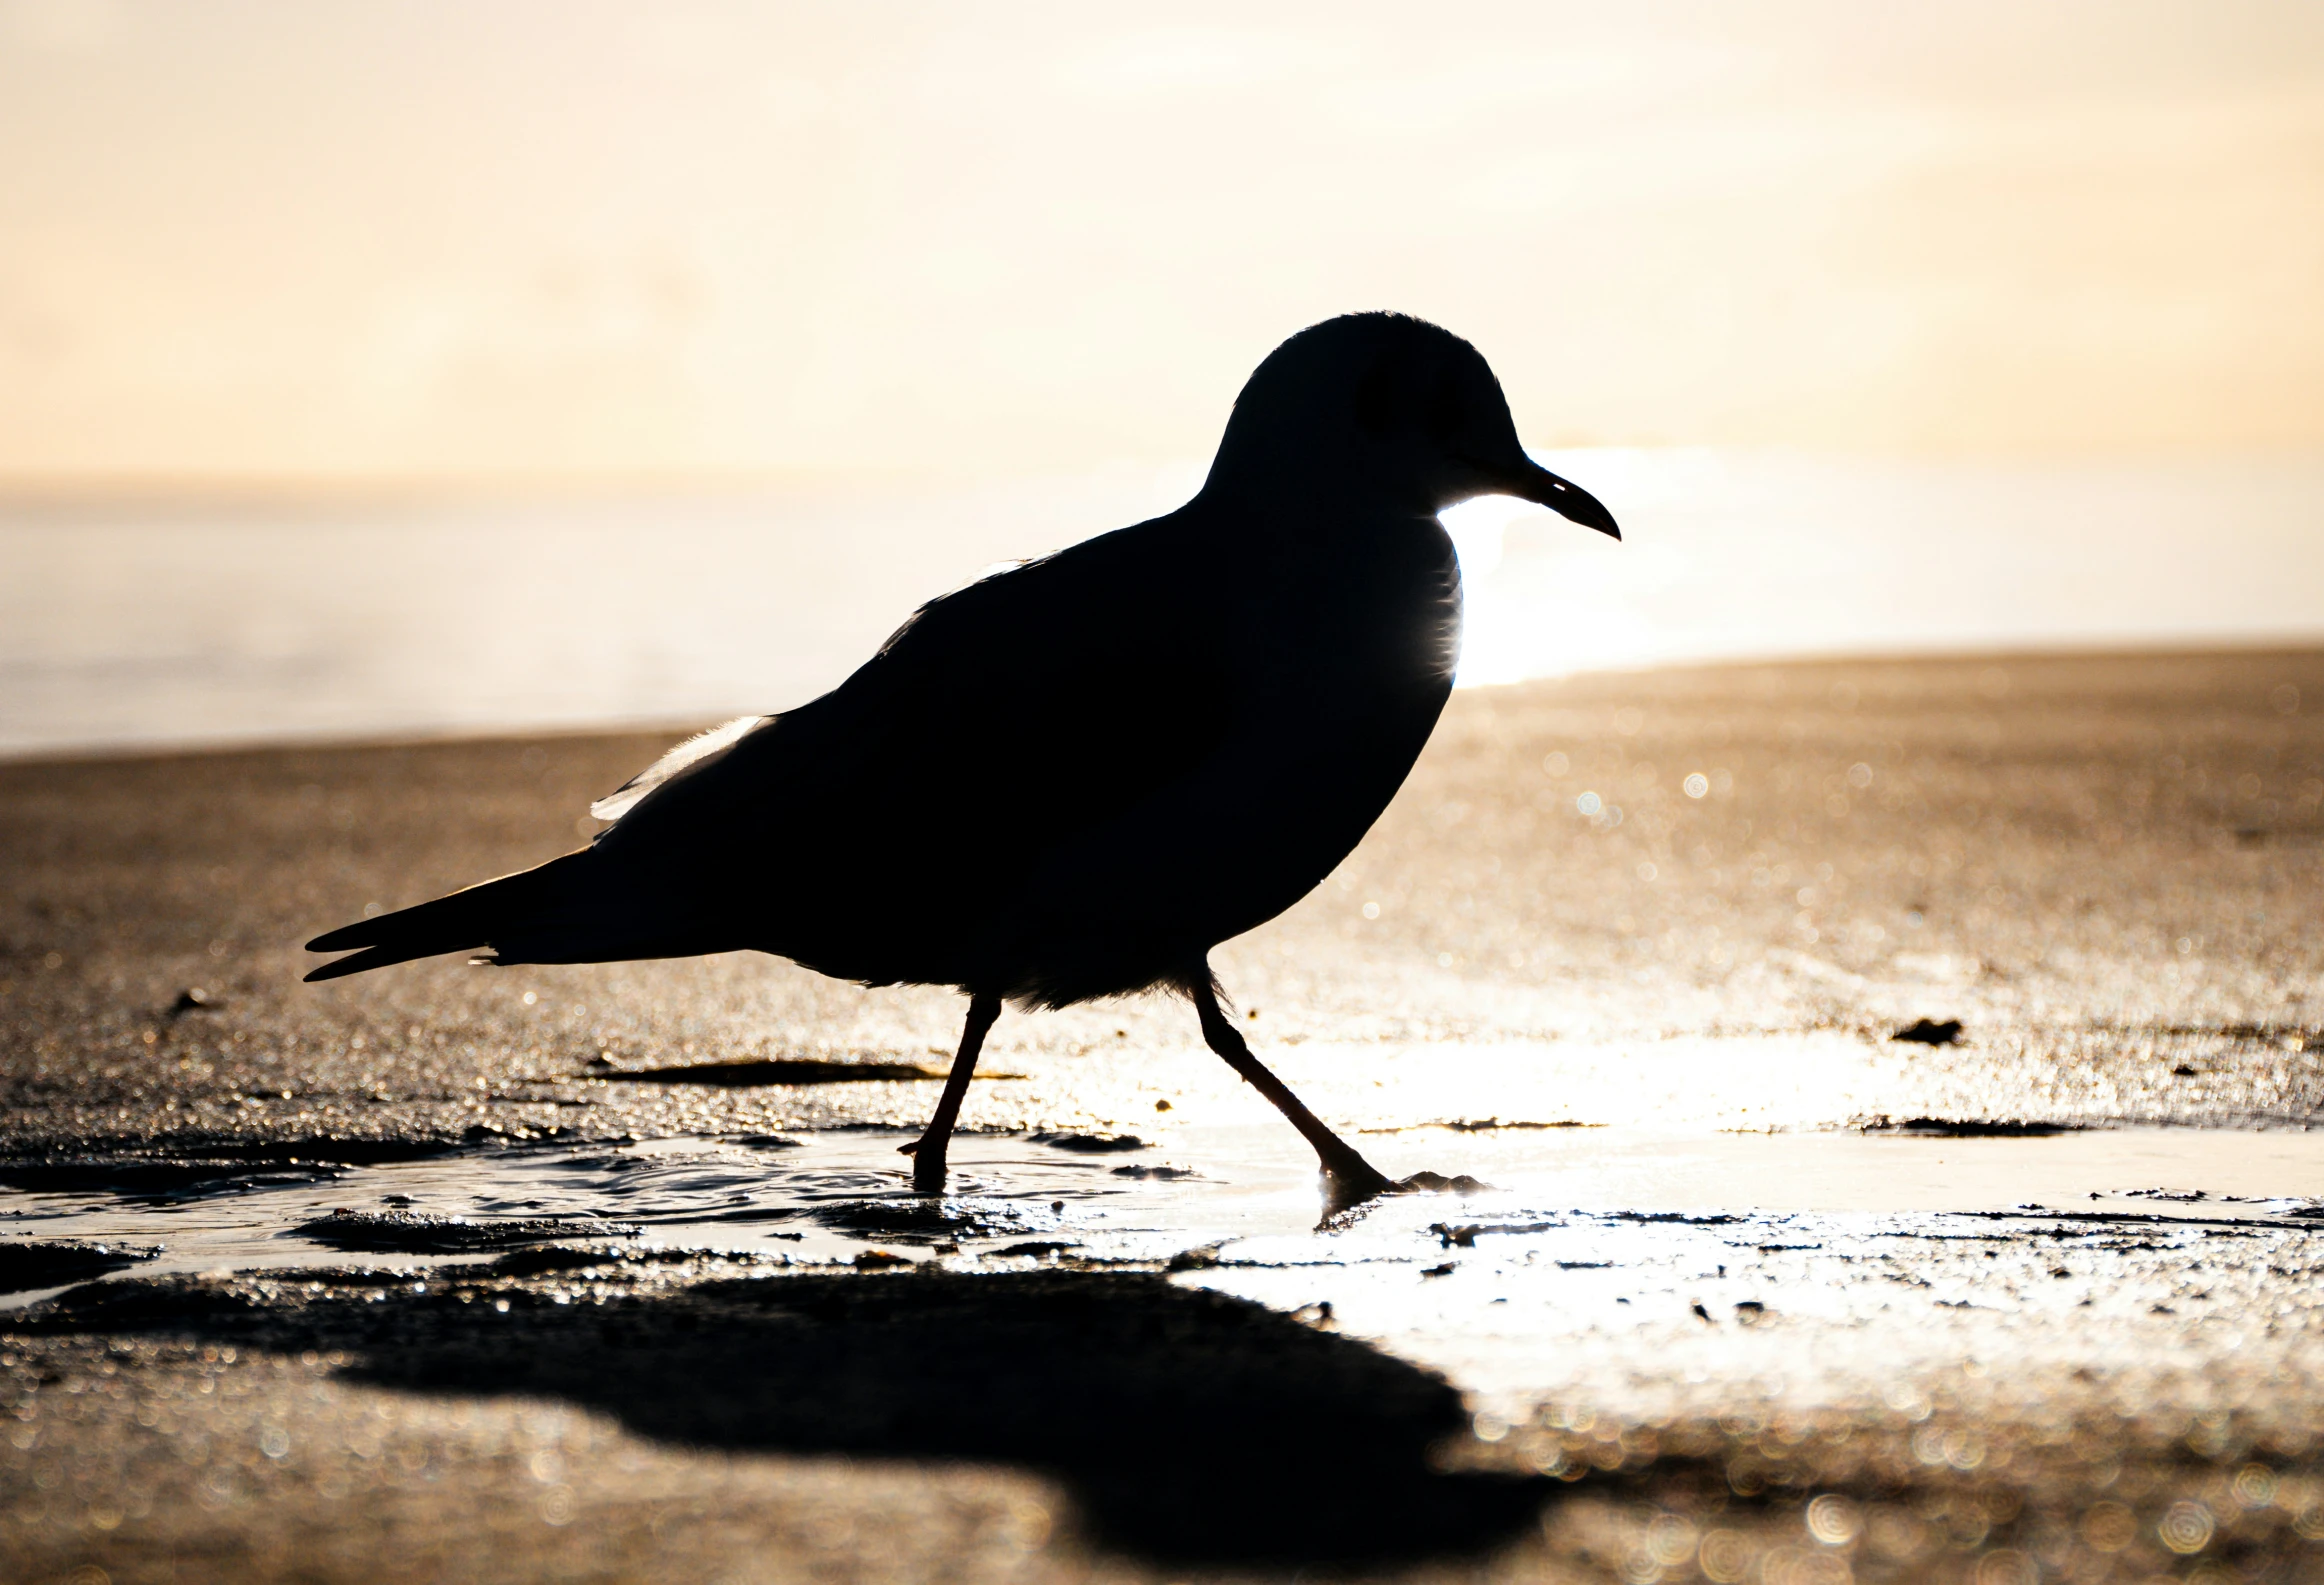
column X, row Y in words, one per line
column 1065, row 781
column 1075, row 777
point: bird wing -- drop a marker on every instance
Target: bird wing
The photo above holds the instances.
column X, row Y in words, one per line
column 871, row 832
column 1342, row 665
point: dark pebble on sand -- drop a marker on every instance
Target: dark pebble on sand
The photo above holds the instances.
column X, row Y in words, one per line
column 158, row 1177
column 796, row 1070
column 1979, row 1128
column 1930, row 1032
column 25, row 1264
column 921, row 1220
column 417, row 1233
column 541, row 1259
column 1090, row 1144
column 1491, row 1125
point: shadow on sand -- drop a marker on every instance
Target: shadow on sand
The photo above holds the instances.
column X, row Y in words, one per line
column 1189, row 1426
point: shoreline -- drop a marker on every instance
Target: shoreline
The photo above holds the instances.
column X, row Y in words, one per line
column 2297, row 649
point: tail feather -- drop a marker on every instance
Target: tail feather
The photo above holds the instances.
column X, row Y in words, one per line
column 477, row 916
column 369, row 958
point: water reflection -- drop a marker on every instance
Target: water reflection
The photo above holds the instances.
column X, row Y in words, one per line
column 1730, row 1244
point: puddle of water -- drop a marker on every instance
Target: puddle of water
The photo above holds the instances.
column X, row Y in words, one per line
column 1708, row 1251
column 823, row 1196
column 1625, row 1169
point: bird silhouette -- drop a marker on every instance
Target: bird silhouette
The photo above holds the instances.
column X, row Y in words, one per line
column 1074, row 778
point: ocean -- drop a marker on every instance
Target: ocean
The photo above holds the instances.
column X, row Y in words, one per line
column 145, row 621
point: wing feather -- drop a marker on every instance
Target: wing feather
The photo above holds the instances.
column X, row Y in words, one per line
column 870, row 832
column 694, row 750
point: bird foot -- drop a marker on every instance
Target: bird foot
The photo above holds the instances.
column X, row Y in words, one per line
column 1351, row 1183
column 1438, row 1183
column 928, row 1172
column 927, row 1164
column 1344, row 1191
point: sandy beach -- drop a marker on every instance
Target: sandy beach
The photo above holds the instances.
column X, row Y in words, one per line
column 1838, row 1002
column 1759, row 1291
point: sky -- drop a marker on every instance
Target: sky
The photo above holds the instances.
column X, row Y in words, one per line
column 315, row 241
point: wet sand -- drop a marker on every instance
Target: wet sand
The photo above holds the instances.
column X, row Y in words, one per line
column 1769, row 1302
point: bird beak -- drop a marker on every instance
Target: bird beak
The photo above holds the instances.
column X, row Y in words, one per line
column 1532, row 482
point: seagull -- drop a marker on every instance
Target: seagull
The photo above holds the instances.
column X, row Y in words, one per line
column 1074, row 778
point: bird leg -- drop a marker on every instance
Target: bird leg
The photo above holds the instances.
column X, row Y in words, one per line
column 1350, row 1179
column 927, row 1152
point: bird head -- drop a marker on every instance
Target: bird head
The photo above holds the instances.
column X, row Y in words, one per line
column 1391, row 407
